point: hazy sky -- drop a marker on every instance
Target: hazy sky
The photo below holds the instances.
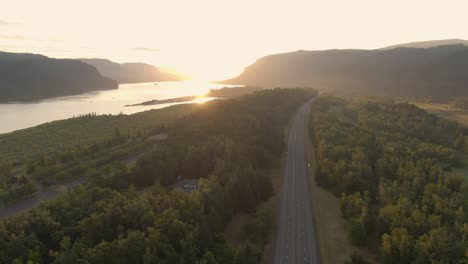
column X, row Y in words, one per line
column 217, row 39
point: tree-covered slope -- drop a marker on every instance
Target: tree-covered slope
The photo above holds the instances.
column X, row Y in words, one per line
column 438, row 72
column 31, row 76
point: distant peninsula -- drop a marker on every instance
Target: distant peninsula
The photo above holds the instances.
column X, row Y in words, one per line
column 225, row 92
column 25, row 76
column 167, row 101
column 132, row 72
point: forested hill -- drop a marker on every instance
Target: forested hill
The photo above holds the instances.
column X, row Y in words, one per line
column 131, row 72
column 437, row 72
column 31, row 76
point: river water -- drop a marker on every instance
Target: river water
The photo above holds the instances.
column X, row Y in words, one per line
column 19, row 115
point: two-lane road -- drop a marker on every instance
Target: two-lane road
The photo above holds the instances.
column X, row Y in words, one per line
column 296, row 239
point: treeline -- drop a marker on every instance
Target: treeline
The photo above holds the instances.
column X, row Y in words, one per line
column 230, row 146
column 229, row 92
column 391, row 164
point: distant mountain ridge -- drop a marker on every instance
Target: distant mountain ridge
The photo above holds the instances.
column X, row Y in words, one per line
column 131, row 72
column 437, row 72
column 429, row 43
column 25, row 76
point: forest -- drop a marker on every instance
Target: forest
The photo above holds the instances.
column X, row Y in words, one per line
column 132, row 214
column 393, row 165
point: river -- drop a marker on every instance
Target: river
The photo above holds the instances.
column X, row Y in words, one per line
column 19, row 115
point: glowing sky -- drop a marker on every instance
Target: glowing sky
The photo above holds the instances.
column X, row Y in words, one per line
column 215, row 39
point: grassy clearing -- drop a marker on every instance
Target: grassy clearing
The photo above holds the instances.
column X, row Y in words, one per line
column 446, row 111
column 455, row 114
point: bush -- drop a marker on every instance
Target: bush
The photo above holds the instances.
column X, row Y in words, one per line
column 357, row 233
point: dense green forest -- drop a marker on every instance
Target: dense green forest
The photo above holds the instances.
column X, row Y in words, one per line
column 31, row 76
column 392, row 164
column 229, row 145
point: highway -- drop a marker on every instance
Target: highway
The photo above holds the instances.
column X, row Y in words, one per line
column 296, row 240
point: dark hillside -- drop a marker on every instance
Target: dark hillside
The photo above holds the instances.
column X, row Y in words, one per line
column 438, row 72
column 31, row 76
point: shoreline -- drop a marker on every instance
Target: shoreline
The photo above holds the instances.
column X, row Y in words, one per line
column 181, row 99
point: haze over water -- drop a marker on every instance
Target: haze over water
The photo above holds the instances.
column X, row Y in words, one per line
column 19, row 115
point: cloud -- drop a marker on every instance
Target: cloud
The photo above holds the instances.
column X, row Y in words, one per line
column 13, row 37
column 6, row 47
column 6, row 23
column 146, row 49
